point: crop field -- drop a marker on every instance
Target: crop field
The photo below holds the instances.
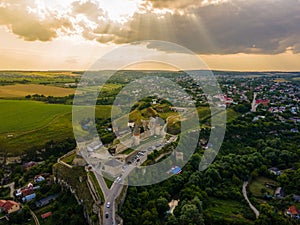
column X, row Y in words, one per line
column 56, row 78
column 21, row 90
column 33, row 124
column 39, row 73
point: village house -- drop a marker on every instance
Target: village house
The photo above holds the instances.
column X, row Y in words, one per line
column 279, row 194
column 38, row 178
column 296, row 198
column 275, row 171
column 28, row 165
column 9, row 206
column 293, row 212
column 46, row 215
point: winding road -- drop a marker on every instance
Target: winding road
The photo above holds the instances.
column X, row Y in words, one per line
column 37, row 222
column 256, row 212
column 253, row 105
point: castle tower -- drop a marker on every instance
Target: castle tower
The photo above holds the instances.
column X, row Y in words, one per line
column 136, row 135
column 152, row 126
column 158, row 126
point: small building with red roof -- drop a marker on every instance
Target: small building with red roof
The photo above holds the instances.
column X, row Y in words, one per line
column 293, row 212
column 9, row 206
column 46, row 215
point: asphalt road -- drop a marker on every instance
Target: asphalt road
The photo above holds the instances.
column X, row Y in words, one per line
column 112, row 194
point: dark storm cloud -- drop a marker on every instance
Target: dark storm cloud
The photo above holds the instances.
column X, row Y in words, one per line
column 264, row 27
column 260, row 27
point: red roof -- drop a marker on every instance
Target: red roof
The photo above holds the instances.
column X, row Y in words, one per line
column 7, row 205
column 293, row 210
column 26, row 192
column 46, row 215
column 2, row 202
column 263, row 101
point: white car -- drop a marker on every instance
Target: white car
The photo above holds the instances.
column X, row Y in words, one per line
column 107, row 204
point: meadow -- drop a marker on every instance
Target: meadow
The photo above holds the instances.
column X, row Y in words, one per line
column 33, row 124
column 18, row 115
column 229, row 210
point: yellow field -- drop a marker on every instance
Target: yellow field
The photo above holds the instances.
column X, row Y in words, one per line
column 21, row 90
column 42, row 73
column 280, row 80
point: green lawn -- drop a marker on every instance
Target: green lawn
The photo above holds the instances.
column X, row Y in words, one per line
column 127, row 151
column 96, row 185
column 108, row 182
column 257, row 184
column 69, row 159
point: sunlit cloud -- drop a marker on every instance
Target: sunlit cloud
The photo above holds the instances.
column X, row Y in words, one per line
column 207, row 27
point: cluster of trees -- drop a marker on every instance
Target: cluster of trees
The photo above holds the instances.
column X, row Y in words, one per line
column 65, row 211
column 51, row 99
column 49, row 155
column 248, row 150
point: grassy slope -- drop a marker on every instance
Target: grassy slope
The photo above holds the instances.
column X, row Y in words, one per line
column 229, row 210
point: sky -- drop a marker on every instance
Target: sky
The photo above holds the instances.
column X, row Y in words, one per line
column 246, row 35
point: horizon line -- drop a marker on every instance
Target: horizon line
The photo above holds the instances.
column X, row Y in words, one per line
column 157, row 70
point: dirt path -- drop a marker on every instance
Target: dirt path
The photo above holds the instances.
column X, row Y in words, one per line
column 12, row 188
column 246, row 197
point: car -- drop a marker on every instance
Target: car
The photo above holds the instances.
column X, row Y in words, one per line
column 107, row 204
column 124, row 168
column 106, row 215
column 118, row 179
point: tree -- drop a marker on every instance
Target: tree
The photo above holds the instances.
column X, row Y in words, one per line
column 190, row 215
column 162, row 205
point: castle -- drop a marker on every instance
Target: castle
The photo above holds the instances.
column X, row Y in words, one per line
column 152, row 127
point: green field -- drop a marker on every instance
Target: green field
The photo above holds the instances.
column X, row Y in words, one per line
column 33, row 124
column 17, row 115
